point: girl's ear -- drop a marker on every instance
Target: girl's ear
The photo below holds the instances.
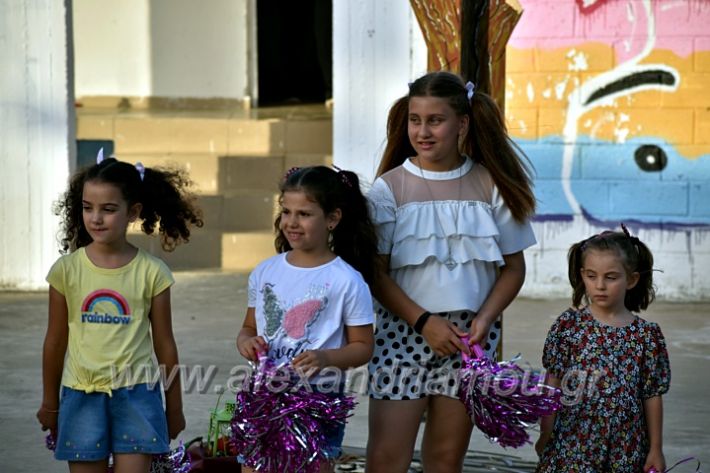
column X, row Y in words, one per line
column 632, row 280
column 463, row 125
column 134, row 212
column 333, row 218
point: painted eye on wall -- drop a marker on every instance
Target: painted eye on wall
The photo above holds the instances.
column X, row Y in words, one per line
column 650, row 158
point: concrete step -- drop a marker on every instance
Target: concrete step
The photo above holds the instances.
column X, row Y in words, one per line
column 206, row 133
column 237, row 162
column 215, row 174
column 235, row 251
column 242, row 251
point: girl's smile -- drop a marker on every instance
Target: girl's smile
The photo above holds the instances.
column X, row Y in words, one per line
column 304, row 224
column 105, row 213
column 434, row 129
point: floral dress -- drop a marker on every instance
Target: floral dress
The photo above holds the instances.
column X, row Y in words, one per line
column 606, row 372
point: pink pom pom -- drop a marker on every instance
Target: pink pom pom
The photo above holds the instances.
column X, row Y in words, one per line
column 502, row 399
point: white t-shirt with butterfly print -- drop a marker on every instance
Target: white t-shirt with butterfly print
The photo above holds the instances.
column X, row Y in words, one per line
column 299, row 309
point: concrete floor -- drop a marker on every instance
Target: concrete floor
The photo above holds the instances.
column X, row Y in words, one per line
column 208, row 308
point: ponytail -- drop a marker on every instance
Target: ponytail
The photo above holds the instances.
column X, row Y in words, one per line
column 398, row 148
column 354, row 238
column 635, row 257
column 163, row 193
column 168, row 204
column 488, row 142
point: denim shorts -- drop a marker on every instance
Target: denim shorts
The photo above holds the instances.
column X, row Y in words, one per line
column 92, row 425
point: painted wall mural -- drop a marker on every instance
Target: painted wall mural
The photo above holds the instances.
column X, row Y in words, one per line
column 611, row 101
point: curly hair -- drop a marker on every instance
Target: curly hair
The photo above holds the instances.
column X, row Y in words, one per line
column 164, row 194
column 635, row 257
column 354, row 238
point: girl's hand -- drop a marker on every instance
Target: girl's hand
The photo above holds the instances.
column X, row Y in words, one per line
column 479, row 330
column 542, row 442
column 176, row 422
column 48, row 419
column 443, row 336
column 310, row 362
column 250, row 348
column 656, row 460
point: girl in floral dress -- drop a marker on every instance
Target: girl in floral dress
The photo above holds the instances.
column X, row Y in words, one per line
column 611, row 364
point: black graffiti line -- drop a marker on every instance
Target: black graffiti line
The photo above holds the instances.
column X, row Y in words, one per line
column 637, row 79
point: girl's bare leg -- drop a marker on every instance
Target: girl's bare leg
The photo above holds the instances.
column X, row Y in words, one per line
column 393, row 427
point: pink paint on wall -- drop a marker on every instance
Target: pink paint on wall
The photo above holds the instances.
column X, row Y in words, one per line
column 620, row 23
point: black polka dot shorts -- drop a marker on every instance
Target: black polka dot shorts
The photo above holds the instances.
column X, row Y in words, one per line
column 404, row 366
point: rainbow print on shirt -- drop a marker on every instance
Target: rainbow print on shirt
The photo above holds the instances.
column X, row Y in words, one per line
column 105, row 306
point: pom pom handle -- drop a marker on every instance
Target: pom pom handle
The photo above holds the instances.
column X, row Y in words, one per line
column 476, row 348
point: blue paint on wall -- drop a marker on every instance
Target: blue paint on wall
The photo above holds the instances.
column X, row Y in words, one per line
column 609, row 185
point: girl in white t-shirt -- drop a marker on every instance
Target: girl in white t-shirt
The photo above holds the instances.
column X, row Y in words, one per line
column 451, row 205
column 311, row 304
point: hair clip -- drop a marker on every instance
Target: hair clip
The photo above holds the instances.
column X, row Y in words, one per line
column 141, row 170
column 469, row 89
column 290, row 172
column 100, row 156
column 343, row 176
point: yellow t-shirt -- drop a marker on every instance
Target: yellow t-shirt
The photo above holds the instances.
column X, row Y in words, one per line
column 109, row 326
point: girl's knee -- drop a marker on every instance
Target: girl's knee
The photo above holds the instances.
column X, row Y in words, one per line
column 381, row 460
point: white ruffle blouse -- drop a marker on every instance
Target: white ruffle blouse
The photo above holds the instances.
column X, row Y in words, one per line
column 422, row 215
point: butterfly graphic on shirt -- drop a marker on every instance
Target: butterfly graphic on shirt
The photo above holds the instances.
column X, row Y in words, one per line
column 295, row 320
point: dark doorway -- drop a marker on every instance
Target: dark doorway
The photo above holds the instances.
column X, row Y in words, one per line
column 295, row 51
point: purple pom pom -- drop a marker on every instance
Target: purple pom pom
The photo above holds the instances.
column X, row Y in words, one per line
column 503, row 400
column 50, row 442
column 280, row 425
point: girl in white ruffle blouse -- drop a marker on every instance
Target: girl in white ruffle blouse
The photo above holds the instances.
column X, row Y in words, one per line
column 451, row 204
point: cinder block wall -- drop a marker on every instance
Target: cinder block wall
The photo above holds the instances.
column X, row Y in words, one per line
column 611, row 102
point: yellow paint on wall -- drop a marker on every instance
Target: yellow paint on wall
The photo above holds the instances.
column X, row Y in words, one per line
column 519, row 60
column 702, row 127
column 549, row 120
column 522, row 122
column 681, row 117
column 539, row 89
column 702, row 61
column 597, row 57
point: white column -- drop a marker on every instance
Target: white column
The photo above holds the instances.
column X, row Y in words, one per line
column 36, row 135
column 377, row 51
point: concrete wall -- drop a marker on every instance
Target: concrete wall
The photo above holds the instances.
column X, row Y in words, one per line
column 36, row 136
column 377, row 50
column 161, row 48
column 610, row 100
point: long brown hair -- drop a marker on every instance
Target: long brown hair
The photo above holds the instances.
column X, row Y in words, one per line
column 486, row 141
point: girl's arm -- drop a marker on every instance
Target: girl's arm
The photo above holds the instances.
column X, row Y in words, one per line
column 653, row 409
column 547, row 423
column 506, row 287
column 441, row 335
column 249, row 343
column 167, row 354
column 357, row 351
column 54, row 350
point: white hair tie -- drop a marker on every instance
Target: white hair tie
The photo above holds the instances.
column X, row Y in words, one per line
column 469, row 89
column 141, row 169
